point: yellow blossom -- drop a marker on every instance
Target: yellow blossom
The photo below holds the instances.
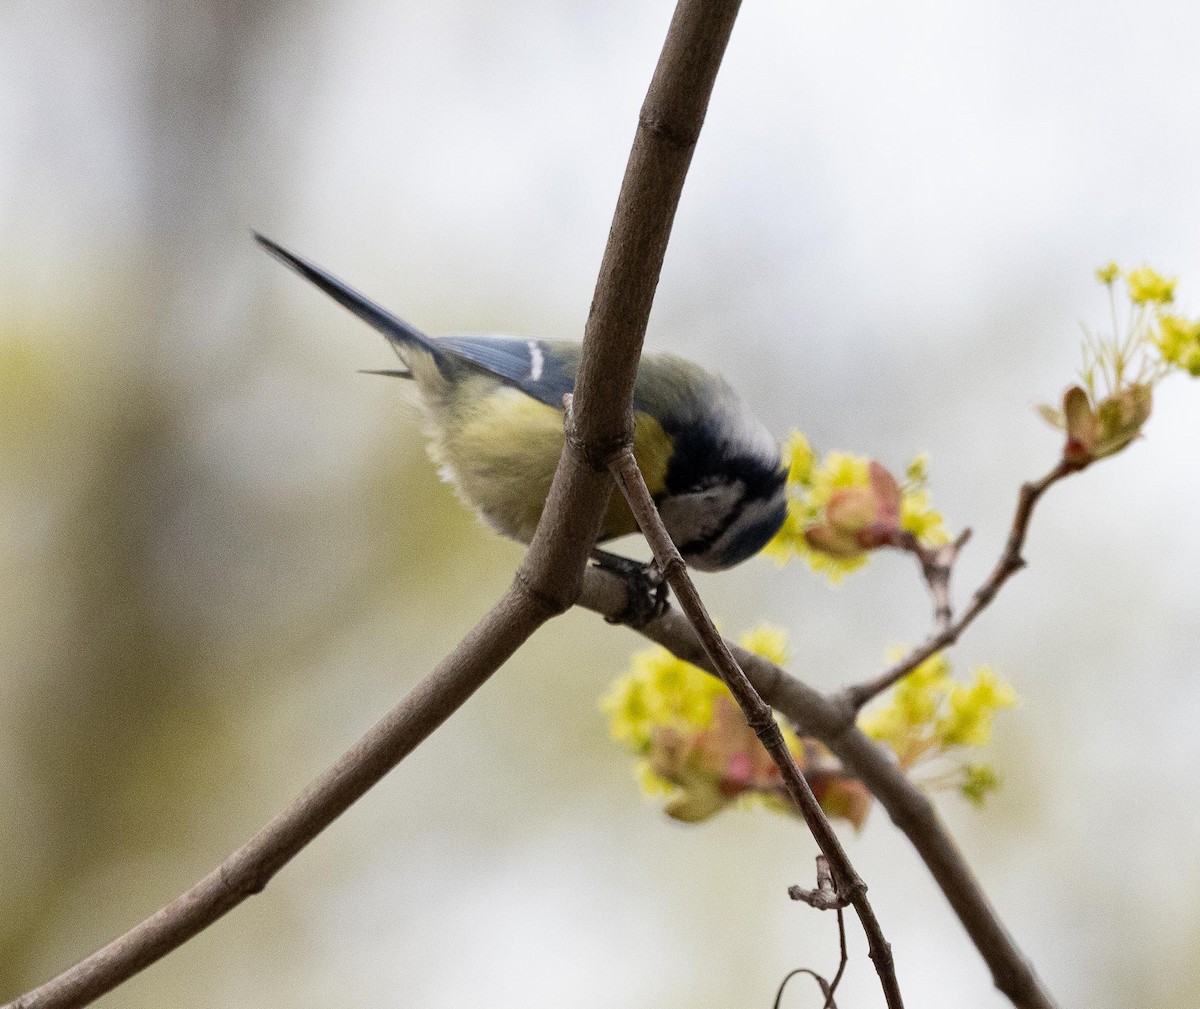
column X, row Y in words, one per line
column 844, row 505
column 978, row 781
column 1178, row 341
column 1108, row 273
column 677, row 691
column 886, row 725
column 971, row 708
column 837, row 473
column 769, row 642
column 919, row 518
column 837, row 470
column 903, row 723
column 693, row 747
column 1106, row 410
column 815, row 486
column 798, row 457
column 789, row 541
column 662, row 691
column 659, row 690
column 931, row 715
column 629, row 717
column 1148, row 287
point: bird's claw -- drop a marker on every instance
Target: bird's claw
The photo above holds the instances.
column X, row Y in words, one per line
column 646, row 590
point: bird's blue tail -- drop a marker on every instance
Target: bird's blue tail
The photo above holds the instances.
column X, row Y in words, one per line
column 398, row 332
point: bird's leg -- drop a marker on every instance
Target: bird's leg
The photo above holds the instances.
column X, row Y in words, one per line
column 646, row 588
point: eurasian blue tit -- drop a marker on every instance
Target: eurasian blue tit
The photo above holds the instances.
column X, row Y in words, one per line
column 494, row 412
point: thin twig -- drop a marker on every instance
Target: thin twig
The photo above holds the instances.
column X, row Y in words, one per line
column 759, row 715
column 1009, row 564
column 831, row 720
column 844, row 958
column 826, row 987
column 937, row 565
column 824, row 897
column 551, row 576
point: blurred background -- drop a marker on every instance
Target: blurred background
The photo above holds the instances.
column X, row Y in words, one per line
column 224, row 553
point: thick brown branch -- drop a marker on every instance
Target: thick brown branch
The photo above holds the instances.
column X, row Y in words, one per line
column 668, row 127
column 949, row 632
column 550, row 577
column 759, row 716
column 831, row 720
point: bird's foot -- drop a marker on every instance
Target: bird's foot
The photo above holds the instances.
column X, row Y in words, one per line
column 646, row 589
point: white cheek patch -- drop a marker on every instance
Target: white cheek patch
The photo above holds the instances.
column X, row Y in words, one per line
column 690, row 517
column 537, row 360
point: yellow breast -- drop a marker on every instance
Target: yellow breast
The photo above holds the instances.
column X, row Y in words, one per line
column 499, row 449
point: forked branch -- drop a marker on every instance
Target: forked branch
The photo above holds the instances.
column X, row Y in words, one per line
column 759, row 716
column 950, row 630
column 831, row 720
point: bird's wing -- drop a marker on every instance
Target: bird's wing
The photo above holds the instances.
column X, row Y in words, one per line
column 542, row 370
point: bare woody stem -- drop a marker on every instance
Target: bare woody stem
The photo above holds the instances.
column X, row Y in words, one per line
column 758, row 714
column 1009, row 564
column 551, row 576
column 937, row 565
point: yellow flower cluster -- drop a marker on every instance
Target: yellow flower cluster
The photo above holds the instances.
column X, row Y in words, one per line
column 930, row 714
column 1106, row 411
column 1146, row 286
column 978, row 781
column 660, row 690
column 916, row 506
column 769, row 642
column 693, row 747
column 839, row 506
column 1179, row 342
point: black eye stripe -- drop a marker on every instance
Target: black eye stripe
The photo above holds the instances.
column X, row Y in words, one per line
column 753, row 538
column 746, row 543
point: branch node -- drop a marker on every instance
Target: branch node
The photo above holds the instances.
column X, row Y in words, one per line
column 670, row 134
column 673, row 566
column 597, row 456
column 758, row 716
column 548, row 604
column 239, row 883
column 826, row 896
